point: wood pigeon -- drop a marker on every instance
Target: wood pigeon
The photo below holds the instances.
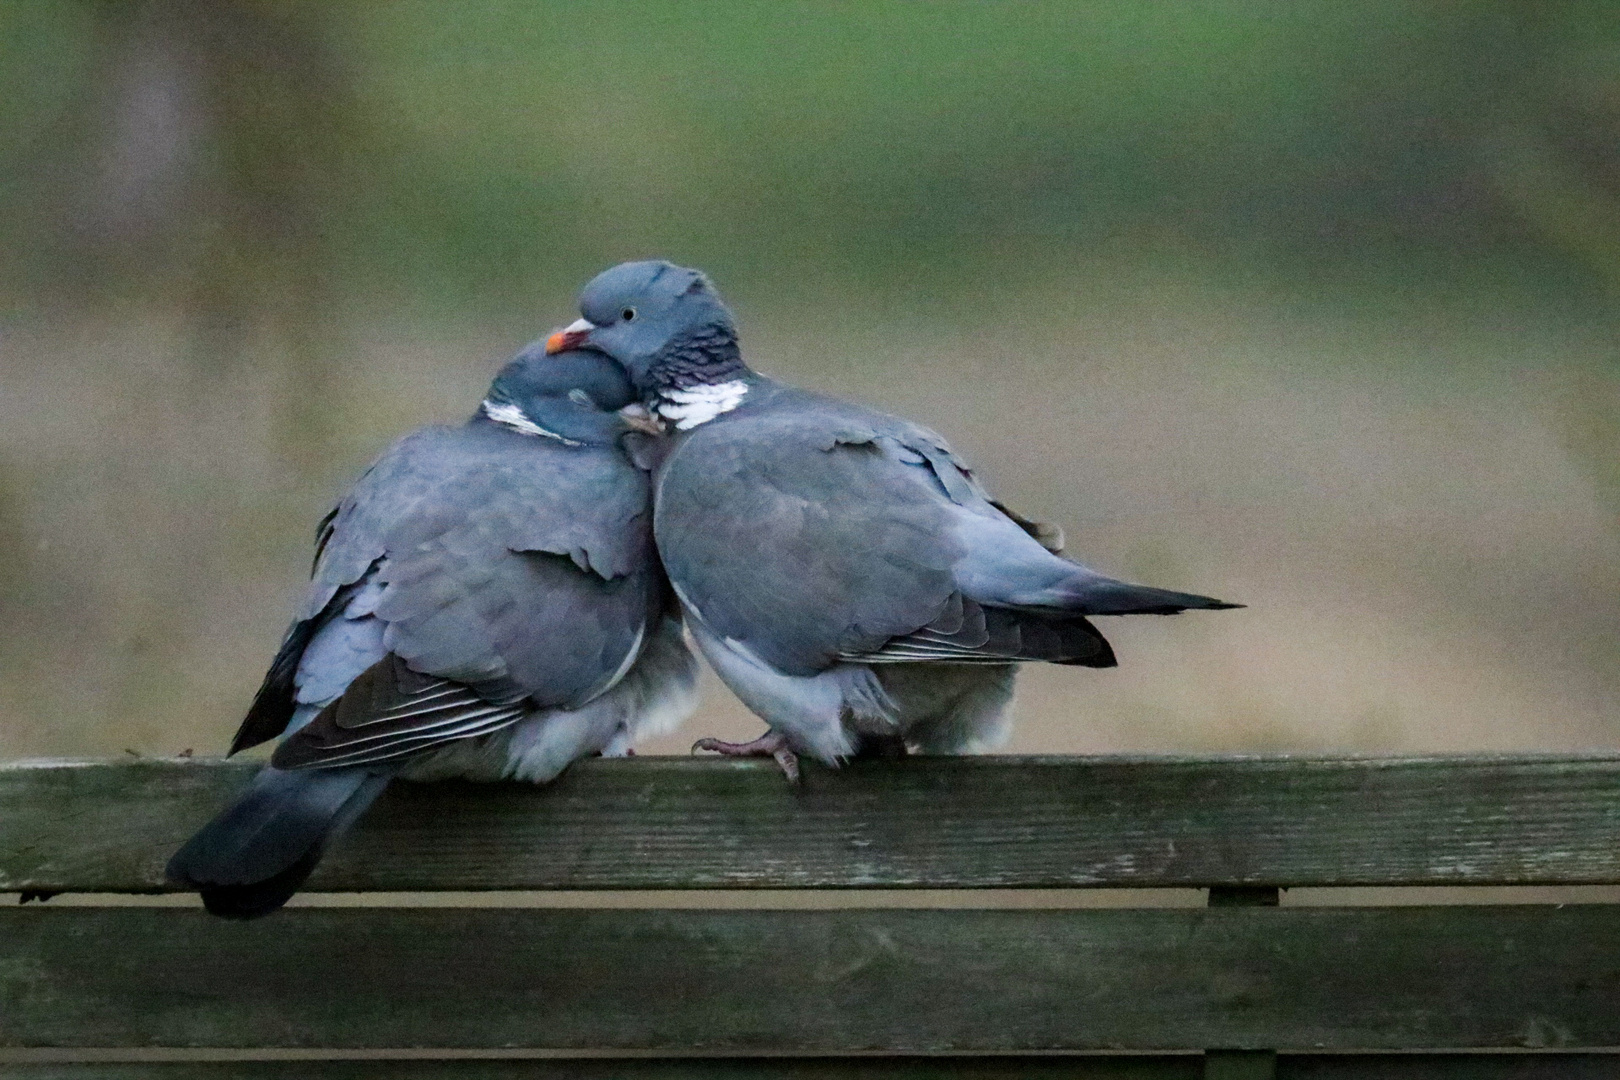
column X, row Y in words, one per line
column 486, row 603
column 842, row 570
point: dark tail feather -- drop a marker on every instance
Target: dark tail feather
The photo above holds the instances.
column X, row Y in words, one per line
column 1093, row 594
column 251, row 858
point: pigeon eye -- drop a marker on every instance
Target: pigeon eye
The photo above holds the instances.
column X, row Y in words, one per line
column 628, row 314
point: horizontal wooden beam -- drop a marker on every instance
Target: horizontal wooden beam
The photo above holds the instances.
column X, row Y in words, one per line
column 654, row 823
column 1184, row 1067
column 1011, row 1067
column 848, row 980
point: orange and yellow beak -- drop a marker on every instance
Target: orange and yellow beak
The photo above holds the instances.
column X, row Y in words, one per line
column 569, row 337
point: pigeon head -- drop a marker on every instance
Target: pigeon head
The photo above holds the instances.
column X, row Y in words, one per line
column 664, row 323
column 577, row 397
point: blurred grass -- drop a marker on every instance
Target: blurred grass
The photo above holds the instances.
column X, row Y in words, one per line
column 1310, row 304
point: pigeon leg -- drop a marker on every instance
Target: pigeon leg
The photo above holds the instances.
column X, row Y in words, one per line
column 772, row 744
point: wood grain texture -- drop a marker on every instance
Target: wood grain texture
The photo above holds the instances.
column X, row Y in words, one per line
column 1449, row 1067
column 989, row 822
column 815, row 981
column 1185, row 1067
column 1567, row 1066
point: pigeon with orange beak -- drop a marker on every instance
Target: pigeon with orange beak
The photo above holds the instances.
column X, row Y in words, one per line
column 843, row 570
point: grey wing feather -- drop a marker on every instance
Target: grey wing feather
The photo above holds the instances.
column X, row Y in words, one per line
column 1010, row 561
column 803, row 544
column 477, row 555
column 524, row 568
column 390, row 711
column 536, row 495
column 865, row 538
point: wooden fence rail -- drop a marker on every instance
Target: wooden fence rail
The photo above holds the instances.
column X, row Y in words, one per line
column 941, row 823
column 1157, row 1067
column 1158, row 983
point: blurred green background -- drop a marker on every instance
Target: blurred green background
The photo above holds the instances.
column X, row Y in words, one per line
column 1311, row 305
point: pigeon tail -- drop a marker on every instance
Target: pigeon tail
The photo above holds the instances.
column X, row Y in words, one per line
column 250, row 859
column 1089, row 593
column 1004, row 567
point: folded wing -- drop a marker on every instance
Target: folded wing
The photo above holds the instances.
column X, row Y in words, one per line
column 814, row 531
column 468, row 584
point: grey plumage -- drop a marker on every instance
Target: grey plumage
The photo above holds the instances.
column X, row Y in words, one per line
column 485, row 603
column 842, row 569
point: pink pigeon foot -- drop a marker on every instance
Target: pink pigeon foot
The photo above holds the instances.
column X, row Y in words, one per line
column 771, row 744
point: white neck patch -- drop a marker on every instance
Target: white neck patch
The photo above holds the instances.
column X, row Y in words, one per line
column 510, row 416
column 686, row 409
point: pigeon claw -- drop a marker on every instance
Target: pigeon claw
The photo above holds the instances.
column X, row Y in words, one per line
column 772, row 745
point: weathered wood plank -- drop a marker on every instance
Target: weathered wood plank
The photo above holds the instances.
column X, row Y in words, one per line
column 932, row 823
column 1185, row 1067
column 1449, row 1067
column 1567, row 1066
column 815, row 981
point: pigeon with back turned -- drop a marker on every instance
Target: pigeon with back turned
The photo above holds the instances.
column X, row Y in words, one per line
column 485, row 603
column 842, row 570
